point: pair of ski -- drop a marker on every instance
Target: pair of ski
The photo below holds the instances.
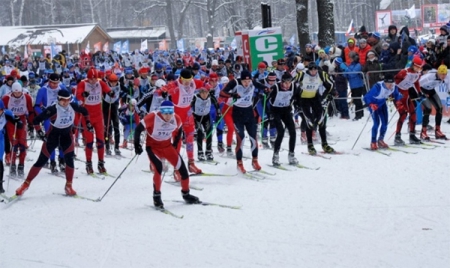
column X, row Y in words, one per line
column 117, row 156
column 257, row 175
column 282, row 167
column 168, row 212
column 385, row 151
column 209, row 162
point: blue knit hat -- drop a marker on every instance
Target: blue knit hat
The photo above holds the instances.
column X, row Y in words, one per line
column 166, row 104
column 338, row 60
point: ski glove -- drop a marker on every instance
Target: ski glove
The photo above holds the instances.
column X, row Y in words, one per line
column 85, row 94
column 111, row 94
column 89, row 126
column 18, row 122
column 41, row 135
column 138, row 148
column 373, row 106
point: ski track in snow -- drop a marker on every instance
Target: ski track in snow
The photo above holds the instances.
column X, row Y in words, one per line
column 369, row 210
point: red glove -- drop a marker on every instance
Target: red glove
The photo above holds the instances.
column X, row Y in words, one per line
column 373, row 106
column 399, row 106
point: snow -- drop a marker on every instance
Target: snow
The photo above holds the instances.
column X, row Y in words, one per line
column 154, row 32
column 16, row 36
column 368, row 210
column 384, row 4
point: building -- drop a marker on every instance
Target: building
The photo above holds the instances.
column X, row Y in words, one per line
column 137, row 35
column 72, row 38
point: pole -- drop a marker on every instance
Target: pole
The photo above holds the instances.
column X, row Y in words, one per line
column 114, row 182
column 262, row 117
column 220, row 119
column 362, row 131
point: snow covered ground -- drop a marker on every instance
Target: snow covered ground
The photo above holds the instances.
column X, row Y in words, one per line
column 369, row 210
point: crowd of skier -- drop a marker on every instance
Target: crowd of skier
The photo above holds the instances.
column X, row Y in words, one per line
column 167, row 98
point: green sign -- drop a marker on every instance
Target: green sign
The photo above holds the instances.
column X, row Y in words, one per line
column 265, row 45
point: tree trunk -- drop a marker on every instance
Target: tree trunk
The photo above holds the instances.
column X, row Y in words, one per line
column 13, row 20
column 21, row 12
column 326, row 22
column 302, row 22
column 173, row 41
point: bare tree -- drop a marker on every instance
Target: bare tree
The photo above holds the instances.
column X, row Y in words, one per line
column 302, row 22
column 326, row 22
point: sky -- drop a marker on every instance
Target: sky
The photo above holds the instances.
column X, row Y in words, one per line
column 360, row 209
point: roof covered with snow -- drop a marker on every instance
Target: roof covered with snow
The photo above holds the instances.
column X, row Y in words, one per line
column 16, row 36
column 129, row 33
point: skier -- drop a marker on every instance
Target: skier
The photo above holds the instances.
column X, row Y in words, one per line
column 428, row 83
column 242, row 91
column 281, row 97
column 201, row 105
column 61, row 115
column 376, row 99
column 163, row 129
column 5, row 116
column 407, row 81
column 22, row 106
column 111, row 116
column 312, row 103
column 89, row 93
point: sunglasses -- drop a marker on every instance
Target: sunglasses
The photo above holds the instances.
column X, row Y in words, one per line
column 166, row 110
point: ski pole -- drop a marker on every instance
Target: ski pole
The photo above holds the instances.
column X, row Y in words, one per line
column 262, row 117
column 13, row 154
column 118, row 177
column 220, row 119
column 362, row 131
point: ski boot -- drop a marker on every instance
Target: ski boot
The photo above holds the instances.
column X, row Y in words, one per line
column 382, row 144
column 398, row 140
column 62, row 164
column 53, row 168
column 209, row 156
column 190, row 199
column 255, row 164
column 21, row 190
column 117, row 151
column 20, row 171
column 101, row 167
column 201, row 156
column 220, row 147
column 240, row 167
column 13, row 171
column 327, row 148
column 157, row 202
column 311, row 149
column 124, row 144
column 291, row 158
column 69, row 190
column 89, row 168
column 2, row 190
column 276, row 159
column 438, row 134
column 108, row 151
column 229, row 151
column 413, row 139
column 373, row 146
column 424, row 135
column 193, row 168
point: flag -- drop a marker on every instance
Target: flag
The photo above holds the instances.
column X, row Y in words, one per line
column 411, row 12
column 180, row 44
column 3, row 50
column 350, row 29
column 118, row 46
column 30, row 51
column 125, row 47
column 88, row 48
column 53, row 50
column 292, row 40
column 106, row 47
column 233, row 44
column 144, row 45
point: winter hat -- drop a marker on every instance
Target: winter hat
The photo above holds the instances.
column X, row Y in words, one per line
column 186, row 74
column 213, row 76
column 92, row 73
column 412, row 49
column 214, row 63
column 389, row 78
column 338, row 60
column 10, row 78
column 362, row 40
column 245, row 74
column 417, row 61
column 350, row 40
column 63, row 94
column 54, row 77
column 370, row 53
column 281, row 62
column 308, row 45
column 376, row 35
column 442, row 69
column 321, row 51
column 224, row 80
column 327, row 50
column 16, row 87
column 166, row 105
column 262, row 65
column 300, row 67
column 286, row 77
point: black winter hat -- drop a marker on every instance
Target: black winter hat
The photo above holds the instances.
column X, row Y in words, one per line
column 63, row 94
column 388, row 78
column 54, row 77
column 186, row 74
column 245, row 74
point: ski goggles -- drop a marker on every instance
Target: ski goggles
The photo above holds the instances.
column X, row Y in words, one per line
column 166, row 110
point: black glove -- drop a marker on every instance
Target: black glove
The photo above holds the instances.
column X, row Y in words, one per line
column 164, row 94
column 41, row 135
column 85, row 94
column 235, row 96
column 89, row 126
column 218, row 115
column 112, row 94
column 329, row 97
column 138, row 149
column 18, row 122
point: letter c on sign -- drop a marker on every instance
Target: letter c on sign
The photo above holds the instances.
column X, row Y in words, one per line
column 266, row 43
